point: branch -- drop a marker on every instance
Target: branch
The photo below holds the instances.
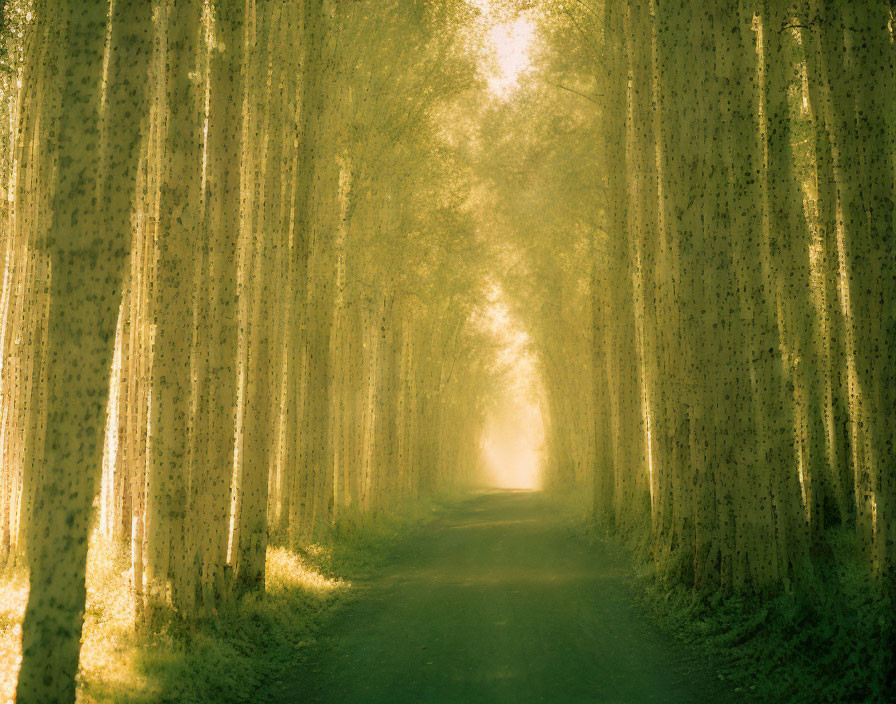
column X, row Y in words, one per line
column 587, row 97
column 585, row 37
column 589, row 8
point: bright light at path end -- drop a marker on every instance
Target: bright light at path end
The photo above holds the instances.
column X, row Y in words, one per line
column 511, row 447
column 513, row 434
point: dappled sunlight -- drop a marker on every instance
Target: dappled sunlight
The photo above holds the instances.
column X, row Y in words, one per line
column 13, row 599
column 517, row 276
column 512, row 46
column 109, row 646
column 286, row 570
column 506, row 46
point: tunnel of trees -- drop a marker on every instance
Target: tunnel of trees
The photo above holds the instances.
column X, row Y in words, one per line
column 271, row 264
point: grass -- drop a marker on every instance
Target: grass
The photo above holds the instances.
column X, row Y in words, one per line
column 241, row 655
column 13, row 595
column 108, row 650
column 832, row 643
column 244, row 654
column 833, row 647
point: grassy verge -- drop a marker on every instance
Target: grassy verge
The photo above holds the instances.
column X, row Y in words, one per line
column 244, row 654
column 830, row 643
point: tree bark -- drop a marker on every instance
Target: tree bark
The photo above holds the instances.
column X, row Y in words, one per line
column 87, row 252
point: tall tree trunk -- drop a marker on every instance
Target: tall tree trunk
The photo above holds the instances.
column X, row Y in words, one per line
column 216, row 422
column 251, row 546
column 785, row 245
column 88, row 251
column 870, row 257
column 833, row 322
column 168, row 479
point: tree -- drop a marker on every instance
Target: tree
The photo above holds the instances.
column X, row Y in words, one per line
column 87, row 253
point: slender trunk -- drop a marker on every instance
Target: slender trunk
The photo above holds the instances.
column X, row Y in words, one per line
column 216, row 421
column 833, row 324
column 786, row 248
column 88, row 252
column 168, row 480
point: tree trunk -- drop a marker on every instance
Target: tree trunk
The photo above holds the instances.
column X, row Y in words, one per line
column 88, row 252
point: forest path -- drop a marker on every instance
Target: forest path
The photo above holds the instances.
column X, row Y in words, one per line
column 497, row 601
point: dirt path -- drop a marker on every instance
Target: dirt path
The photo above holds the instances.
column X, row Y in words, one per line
column 498, row 603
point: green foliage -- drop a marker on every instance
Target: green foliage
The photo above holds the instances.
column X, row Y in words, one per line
column 359, row 543
column 247, row 652
column 828, row 643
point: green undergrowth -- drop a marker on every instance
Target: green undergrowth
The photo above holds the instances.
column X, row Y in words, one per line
column 359, row 544
column 240, row 655
column 246, row 653
column 831, row 646
column 829, row 642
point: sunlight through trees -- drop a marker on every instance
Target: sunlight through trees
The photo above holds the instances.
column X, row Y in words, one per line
column 273, row 267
